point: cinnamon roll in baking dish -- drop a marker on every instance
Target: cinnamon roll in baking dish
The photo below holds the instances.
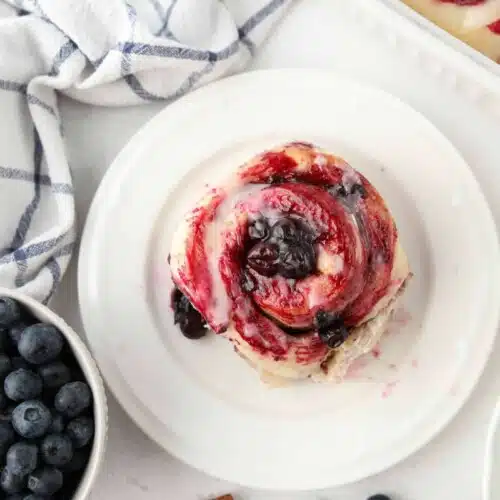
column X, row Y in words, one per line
column 475, row 22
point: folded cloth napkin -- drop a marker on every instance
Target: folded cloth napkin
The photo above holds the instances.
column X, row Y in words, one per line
column 106, row 52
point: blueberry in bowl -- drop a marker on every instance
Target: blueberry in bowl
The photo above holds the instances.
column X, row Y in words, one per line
column 53, row 412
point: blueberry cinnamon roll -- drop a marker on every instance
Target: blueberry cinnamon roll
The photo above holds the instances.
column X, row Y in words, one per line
column 296, row 260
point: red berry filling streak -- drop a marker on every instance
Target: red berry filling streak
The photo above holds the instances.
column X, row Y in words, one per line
column 495, row 27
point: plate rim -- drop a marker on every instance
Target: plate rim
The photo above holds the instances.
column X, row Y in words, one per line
column 139, row 414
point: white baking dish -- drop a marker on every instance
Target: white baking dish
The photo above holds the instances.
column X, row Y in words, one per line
column 455, row 63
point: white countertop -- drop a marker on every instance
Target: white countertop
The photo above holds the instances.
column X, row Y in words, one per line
column 312, row 35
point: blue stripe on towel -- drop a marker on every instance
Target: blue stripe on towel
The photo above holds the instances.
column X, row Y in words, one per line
column 27, row 216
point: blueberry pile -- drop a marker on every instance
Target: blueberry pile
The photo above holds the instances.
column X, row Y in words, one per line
column 46, row 418
column 285, row 248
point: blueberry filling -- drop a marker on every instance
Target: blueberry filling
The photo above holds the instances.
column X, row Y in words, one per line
column 258, row 230
column 286, row 230
column 292, row 231
column 325, row 319
column 331, row 329
column 263, row 258
column 275, row 179
column 338, row 190
column 285, row 248
column 247, row 283
column 190, row 321
column 348, row 193
column 297, row 261
column 358, row 189
column 334, row 337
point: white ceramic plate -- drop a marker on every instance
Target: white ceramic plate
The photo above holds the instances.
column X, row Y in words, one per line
column 199, row 400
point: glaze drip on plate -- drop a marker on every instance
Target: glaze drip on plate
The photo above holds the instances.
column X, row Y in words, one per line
column 295, row 260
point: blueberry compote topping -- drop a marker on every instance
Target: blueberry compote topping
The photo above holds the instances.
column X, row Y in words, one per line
column 190, row 321
column 331, row 328
column 264, row 258
column 285, row 248
column 258, row 230
column 297, row 261
column 348, row 194
column 247, row 283
column 293, row 231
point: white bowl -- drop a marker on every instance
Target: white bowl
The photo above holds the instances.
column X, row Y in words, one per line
column 94, row 380
column 491, row 477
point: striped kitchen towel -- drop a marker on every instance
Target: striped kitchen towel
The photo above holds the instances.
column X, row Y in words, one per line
column 106, row 52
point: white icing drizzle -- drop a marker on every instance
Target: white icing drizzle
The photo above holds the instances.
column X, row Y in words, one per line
column 320, row 160
column 316, row 297
column 329, row 263
column 213, row 243
column 349, row 178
